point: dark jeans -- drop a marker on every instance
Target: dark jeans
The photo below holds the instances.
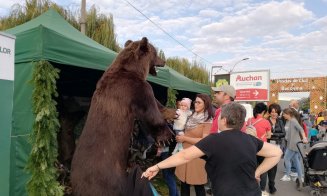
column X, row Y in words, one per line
column 263, row 177
column 271, row 178
column 199, row 189
column 169, row 176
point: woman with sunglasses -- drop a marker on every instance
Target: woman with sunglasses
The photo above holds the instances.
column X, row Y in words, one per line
column 197, row 127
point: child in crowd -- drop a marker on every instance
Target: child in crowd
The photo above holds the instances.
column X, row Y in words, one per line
column 179, row 124
column 313, row 133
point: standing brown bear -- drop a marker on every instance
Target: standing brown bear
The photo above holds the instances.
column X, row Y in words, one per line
column 121, row 96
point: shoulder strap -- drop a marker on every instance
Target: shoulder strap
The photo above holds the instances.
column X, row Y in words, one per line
column 257, row 121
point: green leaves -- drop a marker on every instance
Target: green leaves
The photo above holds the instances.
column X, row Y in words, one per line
column 194, row 71
column 44, row 135
column 99, row 26
column 171, row 98
column 101, row 29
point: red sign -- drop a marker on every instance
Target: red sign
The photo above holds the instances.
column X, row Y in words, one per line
column 251, row 94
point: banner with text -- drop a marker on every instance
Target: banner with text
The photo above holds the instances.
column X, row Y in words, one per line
column 7, row 64
column 251, row 85
column 7, row 54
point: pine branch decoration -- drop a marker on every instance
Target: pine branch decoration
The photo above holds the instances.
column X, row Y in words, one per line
column 41, row 162
column 171, row 98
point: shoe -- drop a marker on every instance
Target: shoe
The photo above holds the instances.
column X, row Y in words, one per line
column 299, row 186
column 293, row 174
column 272, row 190
column 264, row 193
column 286, row 178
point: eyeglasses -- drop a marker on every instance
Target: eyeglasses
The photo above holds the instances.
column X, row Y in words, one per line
column 197, row 102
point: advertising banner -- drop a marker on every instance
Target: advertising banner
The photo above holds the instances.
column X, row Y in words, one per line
column 7, row 64
column 251, row 85
column 7, row 54
column 221, row 79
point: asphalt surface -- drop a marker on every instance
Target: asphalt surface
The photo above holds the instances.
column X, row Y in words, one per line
column 283, row 188
column 288, row 188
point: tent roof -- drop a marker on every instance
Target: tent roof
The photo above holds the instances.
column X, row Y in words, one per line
column 50, row 37
column 168, row 77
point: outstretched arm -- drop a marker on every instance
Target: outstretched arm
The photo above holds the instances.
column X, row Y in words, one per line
column 180, row 158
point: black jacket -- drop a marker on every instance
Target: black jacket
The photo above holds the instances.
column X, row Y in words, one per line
column 278, row 132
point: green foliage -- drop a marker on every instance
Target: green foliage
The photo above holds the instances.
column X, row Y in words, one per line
column 41, row 161
column 304, row 103
column 20, row 14
column 160, row 185
column 99, row 27
column 194, row 71
column 161, row 54
column 171, row 98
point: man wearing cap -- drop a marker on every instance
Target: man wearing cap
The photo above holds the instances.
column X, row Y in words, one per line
column 224, row 94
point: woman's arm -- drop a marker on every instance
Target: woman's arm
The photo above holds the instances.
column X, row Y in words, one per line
column 205, row 128
column 282, row 128
column 299, row 128
column 272, row 154
column 190, row 140
column 180, row 158
column 268, row 130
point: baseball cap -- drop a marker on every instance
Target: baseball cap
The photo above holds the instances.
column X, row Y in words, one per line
column 228, row 89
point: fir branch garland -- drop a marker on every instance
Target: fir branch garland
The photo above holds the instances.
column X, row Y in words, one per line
column 41, row 161
column 171, row 98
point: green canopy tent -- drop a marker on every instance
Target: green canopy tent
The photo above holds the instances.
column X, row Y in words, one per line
column 49, row 37
column 168, row 77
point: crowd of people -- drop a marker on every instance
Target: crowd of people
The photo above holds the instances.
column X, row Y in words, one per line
column 213, row 146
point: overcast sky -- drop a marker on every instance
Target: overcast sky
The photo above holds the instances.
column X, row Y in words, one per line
column 287, row 37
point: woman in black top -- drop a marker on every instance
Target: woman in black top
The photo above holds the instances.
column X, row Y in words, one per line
column 278, row 134
column 230, row 156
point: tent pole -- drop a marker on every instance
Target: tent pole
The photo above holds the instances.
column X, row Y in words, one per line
column 83, row 13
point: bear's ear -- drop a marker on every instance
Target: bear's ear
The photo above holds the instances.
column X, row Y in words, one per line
column 144, row 44
column 127, row 43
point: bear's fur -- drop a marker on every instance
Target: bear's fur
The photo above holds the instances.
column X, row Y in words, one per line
column 122, row 95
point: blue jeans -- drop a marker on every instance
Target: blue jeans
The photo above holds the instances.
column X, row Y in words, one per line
column 169, row 176
column 295, row 157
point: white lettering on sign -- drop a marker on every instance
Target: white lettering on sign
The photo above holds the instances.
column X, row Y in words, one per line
column 295, row 88
column 291, row 80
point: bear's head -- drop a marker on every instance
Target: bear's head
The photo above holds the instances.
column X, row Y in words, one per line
column 139, row 57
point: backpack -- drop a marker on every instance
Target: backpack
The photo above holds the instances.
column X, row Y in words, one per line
column 250, row 128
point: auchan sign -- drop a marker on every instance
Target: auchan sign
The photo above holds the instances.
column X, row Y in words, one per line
column 248, row 78
column 251, row 85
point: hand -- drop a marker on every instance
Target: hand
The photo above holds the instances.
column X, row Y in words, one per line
column 257, row 176
column 180, row 138
column 305, row 140
column 150, row 172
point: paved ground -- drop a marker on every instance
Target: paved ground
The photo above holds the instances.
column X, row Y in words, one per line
column 288, row 188
column 284, row 188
